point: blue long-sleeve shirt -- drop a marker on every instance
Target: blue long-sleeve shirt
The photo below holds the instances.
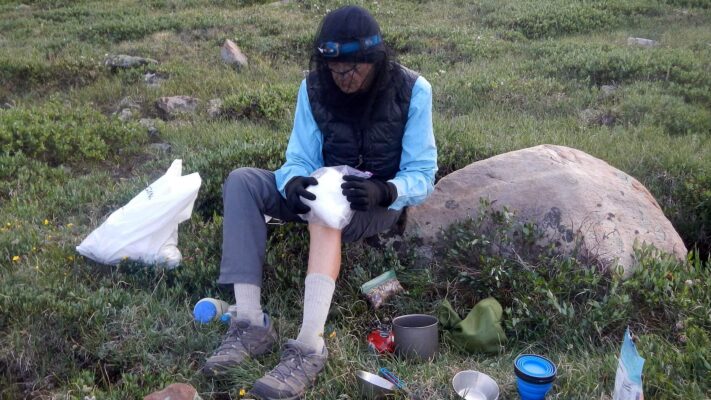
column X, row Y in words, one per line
column 418, row 164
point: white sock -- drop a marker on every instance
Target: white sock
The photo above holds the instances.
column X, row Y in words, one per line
column 317, row 301
column 248, row 306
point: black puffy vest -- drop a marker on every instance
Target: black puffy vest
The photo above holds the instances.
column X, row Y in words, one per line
column 377, row 148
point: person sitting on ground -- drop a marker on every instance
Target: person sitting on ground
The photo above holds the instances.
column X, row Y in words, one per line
column 357, row 107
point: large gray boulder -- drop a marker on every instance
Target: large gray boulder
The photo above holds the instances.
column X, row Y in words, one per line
column 575, row 198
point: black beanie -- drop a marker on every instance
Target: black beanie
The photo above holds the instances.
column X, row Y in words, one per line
column 347, row 26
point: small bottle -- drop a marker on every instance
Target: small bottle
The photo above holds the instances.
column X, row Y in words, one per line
column 209, row 309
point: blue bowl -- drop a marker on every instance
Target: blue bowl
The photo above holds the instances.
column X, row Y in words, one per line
column 534, row 376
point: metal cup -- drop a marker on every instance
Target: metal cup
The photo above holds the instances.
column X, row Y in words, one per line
column 416, row 336
column 474, row 385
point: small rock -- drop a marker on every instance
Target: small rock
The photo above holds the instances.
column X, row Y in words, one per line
column 592, row 116
column 214, row 110
column 176, row 391
column 152, row 130
column 6, row 106
column 679, row 326
column 154, row 79
column 161, row 148
column 128, row 102
column 147, row 123
column 153, row 134
column 589, row 116
column 633, row 41
column 170, row 107
column 125, row 115
column 607, row 119
column 232, row 55
column 125, row 61
column 608, row 90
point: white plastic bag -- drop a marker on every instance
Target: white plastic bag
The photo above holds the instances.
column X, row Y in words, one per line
column 331, row 208
column 146, row 229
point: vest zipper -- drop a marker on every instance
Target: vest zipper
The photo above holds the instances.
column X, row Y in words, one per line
column 360, row 161
column 362, row 144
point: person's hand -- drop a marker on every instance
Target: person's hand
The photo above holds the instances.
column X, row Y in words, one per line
column 295, row 190
column 364, row 194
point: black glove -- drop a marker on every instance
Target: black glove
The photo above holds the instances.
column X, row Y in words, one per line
column 364, row 194
column 295, row 189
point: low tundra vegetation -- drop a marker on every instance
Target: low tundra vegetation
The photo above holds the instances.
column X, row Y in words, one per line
column 506, row 75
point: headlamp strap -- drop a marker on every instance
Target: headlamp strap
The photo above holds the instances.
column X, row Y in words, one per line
column 334, row 49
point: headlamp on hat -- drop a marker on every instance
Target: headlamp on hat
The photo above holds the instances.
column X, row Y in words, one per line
column 337, row 49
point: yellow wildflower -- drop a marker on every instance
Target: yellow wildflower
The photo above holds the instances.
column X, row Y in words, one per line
column 69, row 225
column 46, row 222
column 9, row 224
column 332, row 335
column 15, row 258
column 70, row 258
column 242, row 392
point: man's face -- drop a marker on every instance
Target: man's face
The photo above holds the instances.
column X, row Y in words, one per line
column 351, row 77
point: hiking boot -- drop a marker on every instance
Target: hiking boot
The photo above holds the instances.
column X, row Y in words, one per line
column 242, row 340
column 295, row 373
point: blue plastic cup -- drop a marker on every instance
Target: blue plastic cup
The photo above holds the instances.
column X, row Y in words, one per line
column 534, row 376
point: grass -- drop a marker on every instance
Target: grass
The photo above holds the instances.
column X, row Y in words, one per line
column 506, row 75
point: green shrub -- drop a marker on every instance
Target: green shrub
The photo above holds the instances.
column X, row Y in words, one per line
column 650, row 103
column 607, row 64
column 215, row 165
column 689, row 3
column 665, row 301
column 101, row 328
column 269, row 103
column 72, row 14
column 56, row 133
column 135, row 24
column 496, row 255
column 17, row 74
column 536, row 19
column 689, row 210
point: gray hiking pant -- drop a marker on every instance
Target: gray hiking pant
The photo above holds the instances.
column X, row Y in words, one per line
column 251, row 193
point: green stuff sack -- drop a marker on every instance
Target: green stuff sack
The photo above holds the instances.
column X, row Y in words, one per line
column 480, row 331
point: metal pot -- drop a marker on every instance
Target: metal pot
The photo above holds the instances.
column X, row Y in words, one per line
column 416, row 336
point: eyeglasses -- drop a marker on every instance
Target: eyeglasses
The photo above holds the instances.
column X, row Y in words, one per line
column 341, row 68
